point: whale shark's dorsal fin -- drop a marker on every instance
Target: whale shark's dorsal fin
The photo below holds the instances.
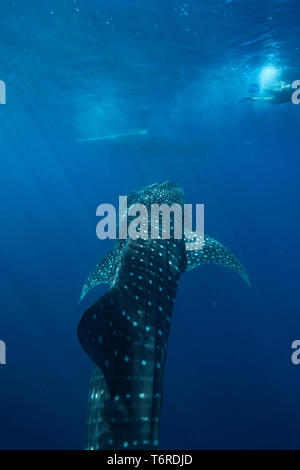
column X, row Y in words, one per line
column 211, row 251
column 106, row 271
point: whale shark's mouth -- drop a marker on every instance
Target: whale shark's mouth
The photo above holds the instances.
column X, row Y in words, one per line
column 158, row 193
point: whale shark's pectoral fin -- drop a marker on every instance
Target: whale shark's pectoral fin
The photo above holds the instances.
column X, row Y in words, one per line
column 106, row 271
column 210, row 251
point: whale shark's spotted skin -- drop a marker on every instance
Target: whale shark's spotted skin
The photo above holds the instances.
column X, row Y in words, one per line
column 126, row 331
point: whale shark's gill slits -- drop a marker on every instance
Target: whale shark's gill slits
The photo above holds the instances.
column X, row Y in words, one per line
column 125, row 333
column 216, row 253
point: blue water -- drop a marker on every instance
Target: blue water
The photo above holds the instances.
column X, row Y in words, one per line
column 79, row 69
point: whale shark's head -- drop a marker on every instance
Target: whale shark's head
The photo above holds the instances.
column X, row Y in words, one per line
column 158, row 193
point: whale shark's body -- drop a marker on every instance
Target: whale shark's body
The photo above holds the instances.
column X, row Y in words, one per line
column 125, row 332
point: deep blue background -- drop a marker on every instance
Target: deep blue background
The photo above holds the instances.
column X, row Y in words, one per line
column 79, row 69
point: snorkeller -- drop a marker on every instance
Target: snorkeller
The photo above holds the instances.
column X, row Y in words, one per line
column 278, row 93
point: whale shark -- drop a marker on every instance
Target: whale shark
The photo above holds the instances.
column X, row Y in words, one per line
column 125, row 332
